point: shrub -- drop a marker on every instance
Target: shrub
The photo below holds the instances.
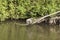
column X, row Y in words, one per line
column 16, row 9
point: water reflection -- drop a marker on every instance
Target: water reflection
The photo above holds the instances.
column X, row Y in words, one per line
column 44, row 32
column 17, row 31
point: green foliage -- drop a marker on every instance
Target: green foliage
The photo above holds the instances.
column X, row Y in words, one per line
column 16, row 9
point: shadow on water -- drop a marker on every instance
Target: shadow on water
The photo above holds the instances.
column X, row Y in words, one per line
column 18, row 31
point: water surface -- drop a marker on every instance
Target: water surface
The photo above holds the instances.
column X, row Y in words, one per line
column 13, row 30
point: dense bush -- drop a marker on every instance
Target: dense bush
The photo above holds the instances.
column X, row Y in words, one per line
column 16, row 9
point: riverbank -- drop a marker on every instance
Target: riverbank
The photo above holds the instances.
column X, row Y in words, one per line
column 22, row 22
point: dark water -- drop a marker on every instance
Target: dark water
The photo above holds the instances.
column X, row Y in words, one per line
column 18, row 31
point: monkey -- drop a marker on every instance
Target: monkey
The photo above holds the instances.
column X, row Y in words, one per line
column 30, row 21
column 58, row 20
column 52, row 21
column 55, row 20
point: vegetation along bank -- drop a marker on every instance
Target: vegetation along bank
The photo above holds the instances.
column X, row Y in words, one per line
column 22, row 9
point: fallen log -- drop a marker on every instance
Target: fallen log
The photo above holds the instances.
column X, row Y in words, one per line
column 41, row 19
